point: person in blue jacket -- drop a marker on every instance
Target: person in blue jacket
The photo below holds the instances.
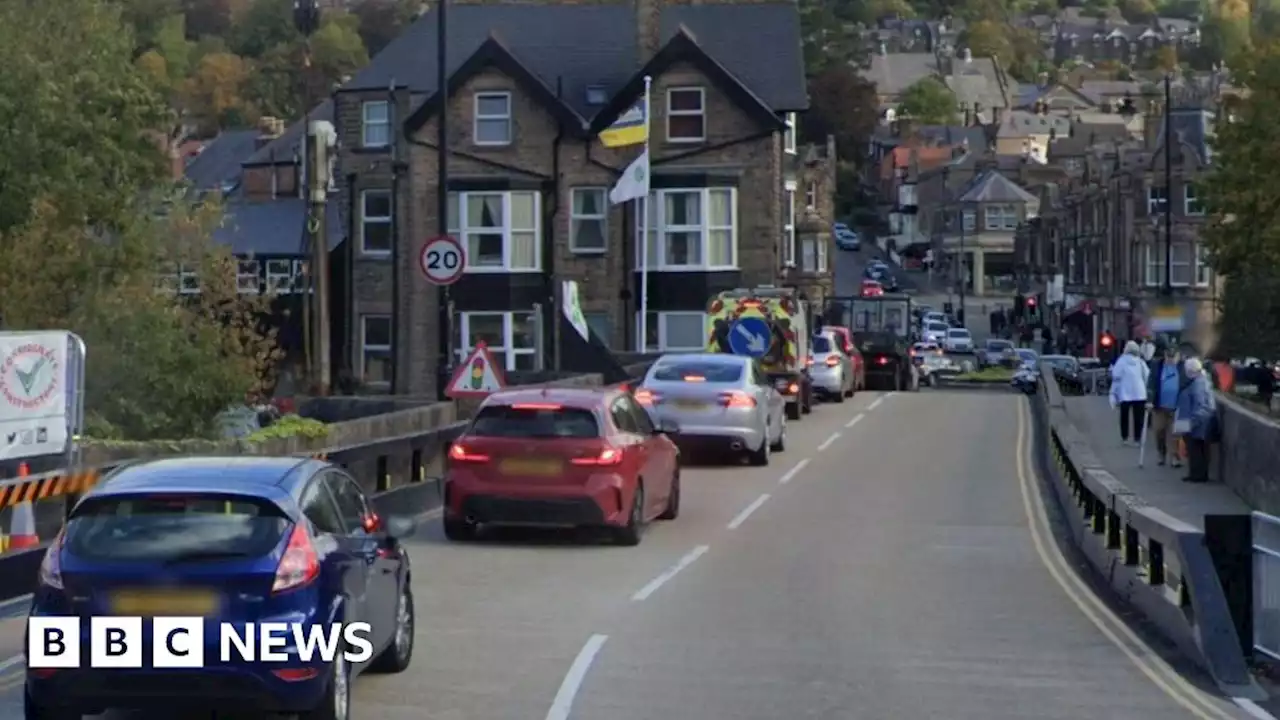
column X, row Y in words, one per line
column 1162, row 391
column 1194, row 419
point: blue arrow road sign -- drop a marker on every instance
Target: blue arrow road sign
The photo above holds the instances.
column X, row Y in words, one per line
column 750, row 336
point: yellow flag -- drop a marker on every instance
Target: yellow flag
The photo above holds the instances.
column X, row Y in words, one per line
column 631, row 128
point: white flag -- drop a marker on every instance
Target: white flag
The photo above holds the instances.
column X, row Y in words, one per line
column 634, row 183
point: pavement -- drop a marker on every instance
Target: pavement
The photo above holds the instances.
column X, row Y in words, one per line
column 1159, row 486
column 853, row 577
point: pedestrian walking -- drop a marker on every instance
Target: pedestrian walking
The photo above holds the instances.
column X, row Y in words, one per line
column 1195, row 418
column 1165, row 382
column 1129, row 378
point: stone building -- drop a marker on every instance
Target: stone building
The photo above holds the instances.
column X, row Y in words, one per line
column 531, row 85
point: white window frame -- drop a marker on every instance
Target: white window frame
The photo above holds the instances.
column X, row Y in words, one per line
column 1154, row 265
column 789, row 135
column 811, row 195
column 1189, row 200
column 656, row 204
column 575, row 217
column 1000, row 216
column 370, row 124
column 459, row 229
column 813, row 253
column 188, row 280
column 366, row 219
column 366, row 348
column 509, row 352
column 970, row 221
column 278, row 282
column 248, row 277
column 1157, row 196
column 505, row 117
column 701, row 112
column 660, row 319
column 1204, row 273
column 789, row 227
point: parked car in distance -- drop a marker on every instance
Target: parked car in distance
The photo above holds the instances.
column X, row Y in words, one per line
column 871, row 288
column 562, row 457
column 847, row 239
column 996, row 351
column 720, row 402
column 236, row 540
column 958, row 340
column 934, row 332
column 832, row 371
column 844, row 338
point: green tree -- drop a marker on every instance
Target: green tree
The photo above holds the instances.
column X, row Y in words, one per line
column 215, row 90
column 381, row 21
column 215, row 17
column 266, row 24
column 337, row 50
column 79, row 117
column 930, row 102
column 988, row 38
column 171, row 43
column 1249, row 325
column 146, row 18
column 843, row 104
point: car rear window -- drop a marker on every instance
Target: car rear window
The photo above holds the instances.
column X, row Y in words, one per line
column 162, row 527
column 535, row 421
column 999, row 344
column 821, row 344
column 958, row 332
column 937, row 327
column 712, row 372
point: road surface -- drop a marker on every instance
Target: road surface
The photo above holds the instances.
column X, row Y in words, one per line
column 884, row 567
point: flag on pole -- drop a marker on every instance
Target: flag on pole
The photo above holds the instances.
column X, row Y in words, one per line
column 634, row 183
column 631, row 128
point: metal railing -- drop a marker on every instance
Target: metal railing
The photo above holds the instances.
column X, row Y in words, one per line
column 1266, row 584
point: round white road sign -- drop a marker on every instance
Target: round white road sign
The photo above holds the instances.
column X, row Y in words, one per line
column 442, row 260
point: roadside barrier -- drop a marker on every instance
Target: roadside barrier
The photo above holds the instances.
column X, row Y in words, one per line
column 394, row 470
column 1160, row 565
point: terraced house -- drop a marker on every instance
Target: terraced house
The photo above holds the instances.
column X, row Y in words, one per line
column 530, row 87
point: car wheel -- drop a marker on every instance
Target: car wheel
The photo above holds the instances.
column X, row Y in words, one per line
column 459, row 529
column 760, row 456
column 780, row 445
column 629, row 534
column 31, row 710
column 336, row 702
column 399, row 653
column 793, row 410
column 673, row 500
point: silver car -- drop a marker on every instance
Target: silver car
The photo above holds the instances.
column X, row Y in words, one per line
column 717, row 400
column 830, row 369
column 934, row 332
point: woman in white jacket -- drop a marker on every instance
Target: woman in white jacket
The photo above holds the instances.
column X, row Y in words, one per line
column 1129, row 391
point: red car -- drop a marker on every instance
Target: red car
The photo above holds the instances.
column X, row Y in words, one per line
column 561, row 457
column 872, row 288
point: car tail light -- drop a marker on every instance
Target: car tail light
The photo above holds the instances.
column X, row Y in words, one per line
column 793, row 389
column 300, row 564
column 372, row 523
column 737, row 399
column 833, row 361
column 646, row 397
column 537, row 406
column 809, row 361
column 51, row 566
column 882, row 360
column 607, row 456
column 459, row 453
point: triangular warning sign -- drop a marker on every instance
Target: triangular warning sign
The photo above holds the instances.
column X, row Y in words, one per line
column 477, row 376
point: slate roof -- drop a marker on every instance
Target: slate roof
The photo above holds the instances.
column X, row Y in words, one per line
column 218, row 164
column 1020, row 123
column 1194, row 127
column 576, row 47
column 274, row 227
column 977, row 81
column 289, row 144
column 894, row 72
column 991, row 186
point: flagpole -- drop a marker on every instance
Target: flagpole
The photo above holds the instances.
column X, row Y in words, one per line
column 642, row 206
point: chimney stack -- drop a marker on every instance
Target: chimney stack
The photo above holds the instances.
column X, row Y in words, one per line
column 269, row 128
column 648, row 15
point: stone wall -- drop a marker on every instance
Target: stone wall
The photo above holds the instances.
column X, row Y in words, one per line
column 1248, row 459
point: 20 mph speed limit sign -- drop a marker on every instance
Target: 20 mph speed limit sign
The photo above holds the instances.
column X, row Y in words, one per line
column 442, row 260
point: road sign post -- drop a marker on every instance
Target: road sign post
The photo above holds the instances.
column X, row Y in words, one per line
column 478, row 376
column 442, row 260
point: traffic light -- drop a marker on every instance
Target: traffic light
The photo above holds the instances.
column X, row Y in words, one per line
column 1106, row 340
column 1106, row 347
column 1031, row 303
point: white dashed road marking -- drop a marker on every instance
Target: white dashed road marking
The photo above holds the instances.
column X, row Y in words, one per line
column 746, row 512
column 684, row 562
column 827, row 443
column 563, row 703
column 856, row 419
column 879, row 400
column 794, row 471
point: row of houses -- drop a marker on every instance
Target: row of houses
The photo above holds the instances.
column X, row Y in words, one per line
column 530, row 87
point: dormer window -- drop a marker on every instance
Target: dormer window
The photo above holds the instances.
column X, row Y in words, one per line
column 686, row 115
column 375, row 125
column 492, row 118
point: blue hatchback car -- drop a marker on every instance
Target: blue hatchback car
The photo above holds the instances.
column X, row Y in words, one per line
column 233, row 540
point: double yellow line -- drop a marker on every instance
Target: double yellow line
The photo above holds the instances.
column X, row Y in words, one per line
column 1200, row 704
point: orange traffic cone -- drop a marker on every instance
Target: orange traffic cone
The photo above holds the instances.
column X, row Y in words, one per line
column 22, row 525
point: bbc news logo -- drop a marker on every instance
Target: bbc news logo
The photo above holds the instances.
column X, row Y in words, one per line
column 179, row 642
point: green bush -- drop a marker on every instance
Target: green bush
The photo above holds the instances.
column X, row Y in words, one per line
column 291, row 426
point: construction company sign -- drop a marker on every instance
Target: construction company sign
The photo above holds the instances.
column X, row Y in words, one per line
column 33, row 394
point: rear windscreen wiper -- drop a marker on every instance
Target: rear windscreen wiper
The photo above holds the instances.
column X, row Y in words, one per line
column 201, row 555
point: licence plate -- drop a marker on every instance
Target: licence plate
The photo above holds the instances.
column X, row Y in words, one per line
column 148, row 603
column 526, row 466
column 690, row 404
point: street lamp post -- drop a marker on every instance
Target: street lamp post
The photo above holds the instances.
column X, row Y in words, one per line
column 1168, row 185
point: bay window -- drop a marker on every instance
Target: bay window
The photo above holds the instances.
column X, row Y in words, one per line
column 1183, row 269
column 693, row 229
column 501, row 231
column 789, row 229
column 509, row 336
column 1001, row 217
column 1203, row 271
column 813, row 252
